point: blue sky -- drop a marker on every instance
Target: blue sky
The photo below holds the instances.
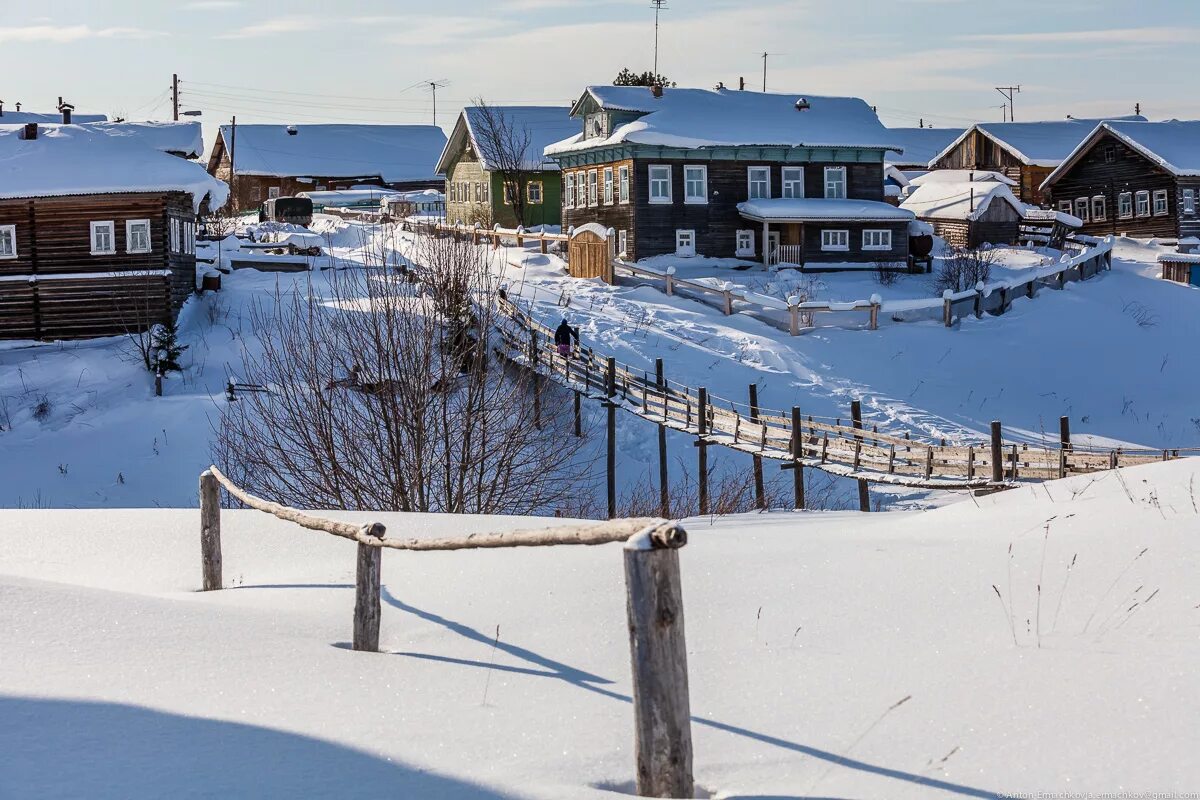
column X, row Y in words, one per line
column 302, row 61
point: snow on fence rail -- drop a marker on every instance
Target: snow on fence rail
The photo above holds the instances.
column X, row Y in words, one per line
column 654, row 603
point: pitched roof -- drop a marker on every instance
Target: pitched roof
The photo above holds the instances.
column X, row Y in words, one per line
column 959, row 201
column 961, row 176
column 921, row 145
column 1037, row 144
column 1174, row 145
column 178, row 138
column 698, row 118
column 21, row 117
column 394, row 153
column 79, row 160
column 819, row 209
column 545, row 125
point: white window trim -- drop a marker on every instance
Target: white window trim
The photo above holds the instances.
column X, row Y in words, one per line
column 1065, row 206
column 1120, row 202
column 785, row 183
column 1137, row 201
column 660, row 201
column 112, row 237
column 750, row 182
column 1189, row 201
column 695, row 201
column 883, row 234
column 740, row 251
column 569, row 191
column 11, row 230
column 541, row 193
column 1086, row 203
column 623, row 185
column 623, row 243
column 835, row 248
column 273, row 192
column 1166, row 203
column 609, row 194
column 690, row 233
column 593, row 188
column 129, row 223
column 1099, row 208
column 844, row 182
column 581, row 190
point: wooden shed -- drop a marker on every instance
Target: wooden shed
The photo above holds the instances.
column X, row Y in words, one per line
column 589, row 252
column 968, row 214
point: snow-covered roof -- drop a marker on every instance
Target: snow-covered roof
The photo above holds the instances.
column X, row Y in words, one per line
column 961, row 176
column 544, row 124
column 1034, row 214
column 959, row 201
column 697, row 118
column 1174, row 144
column 21, row 117
column 1037, row 144
column 920, row 145
column 395, row 153
column 895, row 175
column 818, row 209
column 178, row 138
column 340, row 198
column 80, row 160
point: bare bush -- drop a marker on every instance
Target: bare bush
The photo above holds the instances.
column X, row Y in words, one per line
column 886, row 273
column 382, row 395
column 220, row 223
column 964, row 268
column 1141, row 314
column 505, row 146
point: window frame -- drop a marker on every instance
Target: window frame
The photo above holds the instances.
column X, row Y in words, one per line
column 11, row 232
column 608, row 192
column 787, row 184
column 750, row 181
column 623, row 184
column 1099, row 208
column 623, row 242
column 273, row 192
column 508, row 192
column 1138, row 197
column 593, row 188
column 541, row 193
column 843, row 235
column 880, row 233
column 112, row 237
column 569, row 190
column 1189, row 202
column 844, row 182
column 1083, row 204
column 695, row 200
column 1065, row 207
column 662, row 200
column 739, row 235
column 689, row 233
column 1122, row 198
column 129, row 226
column 1164, row 196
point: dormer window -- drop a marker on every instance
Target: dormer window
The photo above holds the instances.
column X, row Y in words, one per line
column 596, row 125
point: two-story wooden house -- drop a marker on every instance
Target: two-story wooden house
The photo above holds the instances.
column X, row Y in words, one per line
column 1133, row 179
column 483, row 173
column 781, row 178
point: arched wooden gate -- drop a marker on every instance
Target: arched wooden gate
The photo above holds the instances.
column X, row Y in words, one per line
column 589, row 253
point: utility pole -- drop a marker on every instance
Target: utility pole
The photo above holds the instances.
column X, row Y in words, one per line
column 764, row 58
column 1137, row 109
column 434, row 86
column 1008, row 91
column 659, row 5
column 175, row 96
column 234, row 206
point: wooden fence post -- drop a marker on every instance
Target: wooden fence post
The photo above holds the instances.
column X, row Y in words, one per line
column 997, row 455
column 664, row 499
column 702, row 446
column 366, row 594
column 658, row 656
column 210, row 530
column 760, row 494
column 797, row 454
column 610, row 388
column 864, row 493
column 947, row 311
column 794, row 322
column 1064, row 445
column 578, row 418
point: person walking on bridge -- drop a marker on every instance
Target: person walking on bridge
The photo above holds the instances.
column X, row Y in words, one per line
column 563, row 336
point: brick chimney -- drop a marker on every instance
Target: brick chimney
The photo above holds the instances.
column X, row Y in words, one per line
column 656, row 90
column 29, row 132
column 66, row 109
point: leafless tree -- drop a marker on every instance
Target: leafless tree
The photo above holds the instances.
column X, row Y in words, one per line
column 505, row 148
column 384, row 393
column 964, row 268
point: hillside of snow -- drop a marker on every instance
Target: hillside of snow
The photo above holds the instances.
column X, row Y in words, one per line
column 1043, row 639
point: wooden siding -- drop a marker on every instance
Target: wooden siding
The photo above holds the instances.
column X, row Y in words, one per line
column 813, row 255
column 495, row 211
column 977, row 151
column 618, row 216
column 1094, row 174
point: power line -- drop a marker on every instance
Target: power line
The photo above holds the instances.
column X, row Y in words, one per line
column 258, row 90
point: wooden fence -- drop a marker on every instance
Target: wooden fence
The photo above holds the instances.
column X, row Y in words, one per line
column 654, row 607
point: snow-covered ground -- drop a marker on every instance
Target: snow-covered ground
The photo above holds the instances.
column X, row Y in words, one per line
column 830, row 655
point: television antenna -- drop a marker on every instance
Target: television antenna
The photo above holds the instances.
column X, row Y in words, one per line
column 659, row 6
column 433, row 87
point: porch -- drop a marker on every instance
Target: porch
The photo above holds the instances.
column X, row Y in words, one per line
column 800, row 231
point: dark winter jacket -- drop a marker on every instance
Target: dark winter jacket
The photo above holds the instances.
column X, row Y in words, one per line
column 565, row 333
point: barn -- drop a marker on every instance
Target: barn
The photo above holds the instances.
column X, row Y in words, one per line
column 968, row 214
column 97, row 232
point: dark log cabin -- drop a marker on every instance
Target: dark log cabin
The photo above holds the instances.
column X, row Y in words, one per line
column 282, row 160
column 968, row 213
column 1133, row 179
column 84, row 253
column 732, row 174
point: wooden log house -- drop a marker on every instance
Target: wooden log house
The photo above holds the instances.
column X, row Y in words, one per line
column 779, row 178
column 969, row 213
column 262, row 162
column 97, row 233
column 1132, row 179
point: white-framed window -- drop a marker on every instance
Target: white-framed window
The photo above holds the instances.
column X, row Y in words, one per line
column 835, row 183
column 745, row 243
column 758, row 182
column 660, row 183
column 510, row 192
column 1081, row 208
column 569, row 191
column 685, row 243
column 608, row 186
column 622, row 242
column 137, row 236
column 793, row 181
column 533, row 193
column 1189, row 201
column 478, row 192
column 835, row 240
column 581, row 189
column 451, row 192
column 1142, row 201
column 104, row 240
column 877, row 240
column 1160, row 202
column 272, row 192
column 173, row 239
column 1099, row 208
column 1125, row 205
column 487, row 192
column 623, row 188
column 1064, row 206
column 8, row 241
column 695, row 183
column 593, row 187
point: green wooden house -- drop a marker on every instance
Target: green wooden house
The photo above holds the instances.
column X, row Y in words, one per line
column 483, row 174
